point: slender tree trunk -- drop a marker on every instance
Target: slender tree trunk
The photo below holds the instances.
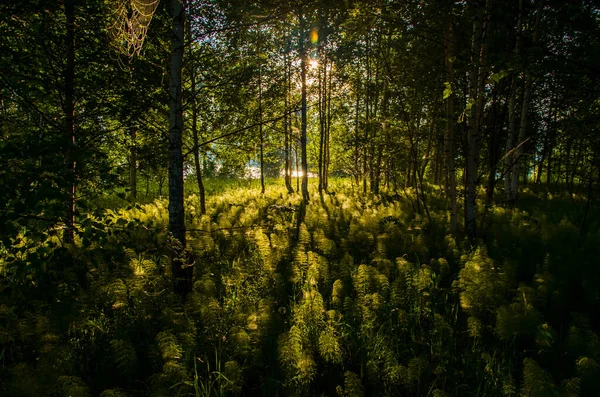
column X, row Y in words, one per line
column 201, row 190
column 576, row 165
column 498, row 114
column 549, row 166
column 287, row 127
column 509, row 159
column 133, row 165
column 522, row 135
column 450, row 182
column 147, row 184
column 327, row 133
column 69, row 109
column 527, row 91
column 477, row 58
column 550, row 149
column 545, row 148
column 305, row 197
column 567, row 160
column 182, row 274
column 493, row 148
column 322, row 94
column 414, row 160
column 297, row 150
column 438, row 161
column 357, row 135
column 367, row 144
column 384, row 131
column 261, row 133
column 196, row 142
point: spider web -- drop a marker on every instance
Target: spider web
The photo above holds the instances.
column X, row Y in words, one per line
column 131, row 19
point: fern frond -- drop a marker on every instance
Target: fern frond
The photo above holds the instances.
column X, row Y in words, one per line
column 312, row 276
column 72, row 386
column 234, row 377
column 173, row 373
column 322, row 244
column 241, row 338
column 329, row 345
column 206, row 286
column 545, row 337
column 474, row 327
column 304, row 236
column 570, row 387
column 587, row 366
column 337, row 293
column 113, row 393
column 306, row 369
column 519, row 318
column 417, row 366
column 581, row 339
column 117, row 292
column 124, row 356
column 169, row 346
column 393, row 372
column 263, row 246
column 352, row 385
column 536, row 381
column 481, row 283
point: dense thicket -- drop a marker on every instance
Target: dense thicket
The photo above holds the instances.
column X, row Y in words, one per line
column 435, row 230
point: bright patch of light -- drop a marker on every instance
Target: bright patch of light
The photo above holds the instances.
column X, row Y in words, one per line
column 314, row 36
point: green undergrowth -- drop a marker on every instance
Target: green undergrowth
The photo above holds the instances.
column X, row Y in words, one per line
column 366, row 297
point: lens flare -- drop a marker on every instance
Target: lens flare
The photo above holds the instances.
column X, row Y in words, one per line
column 314, row 36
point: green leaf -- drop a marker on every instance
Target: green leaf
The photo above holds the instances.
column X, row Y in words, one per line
column 496, row 77
column 470, row 104
column 447, row 90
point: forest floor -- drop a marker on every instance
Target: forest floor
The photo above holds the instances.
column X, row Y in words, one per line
column 365, row 297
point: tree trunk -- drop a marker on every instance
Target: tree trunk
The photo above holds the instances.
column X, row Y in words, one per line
column 327, row 134
column 384, row 131
column 357, row 136
column 296, row 159
column 147, row 184
column 196, row 142
column 450, row 129
column 509, row 159
column 69, row 109
column 133, row 165
column 550, row 149
column 182, row 274
column 473, row 121
column 498, row 114
column 578, row 156
column 545, row 148
column 305, row 197
column 366, row 144
column 322, row 92
column 524, row 109
column 201, row 191
column 522, row 134
column 287, row 128
column 261, row 133
column 493, row 144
